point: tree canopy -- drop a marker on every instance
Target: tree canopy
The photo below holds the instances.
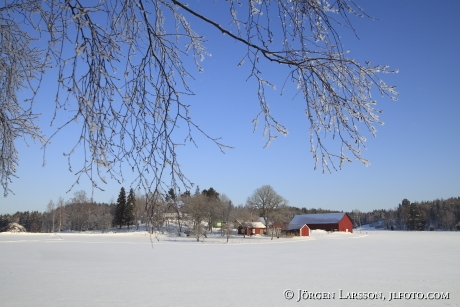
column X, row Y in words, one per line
column 129, row 118
column 266, row 202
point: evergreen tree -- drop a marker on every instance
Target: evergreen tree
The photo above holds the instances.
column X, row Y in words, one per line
column 129, row 208
column 211, row 193
column 412, row 217
column 186, row 194
column 405, row 214
column 420, row 221
column 171, row 195
column 119, row 218
column 415, row 220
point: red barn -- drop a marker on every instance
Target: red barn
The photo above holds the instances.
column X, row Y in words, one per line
column 325, row 221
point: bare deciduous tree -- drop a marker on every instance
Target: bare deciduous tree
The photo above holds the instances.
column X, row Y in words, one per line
column 279, row 219
column 155, row 208
column 20, row 66
column 51, row 210
column 61, row 209
column 76, row 210
column 266, row 202
column 196, row 207
column 139, row 211
column 357, row 218
column 227, row 215
column 177, row 205
column 129, row 118
column 212, row 211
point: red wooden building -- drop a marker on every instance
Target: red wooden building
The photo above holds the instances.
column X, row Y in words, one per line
column 325, row 221
column 252, row 228
column 301, row 230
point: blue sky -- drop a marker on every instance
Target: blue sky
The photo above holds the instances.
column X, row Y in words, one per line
column 415, row 154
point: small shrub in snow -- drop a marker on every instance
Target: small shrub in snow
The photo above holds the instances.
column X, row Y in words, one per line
column 13, row 227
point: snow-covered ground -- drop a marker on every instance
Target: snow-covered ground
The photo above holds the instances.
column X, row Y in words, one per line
column 134, row 269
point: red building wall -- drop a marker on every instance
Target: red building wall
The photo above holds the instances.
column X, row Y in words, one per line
column 345, row 224
column 257, row 231
column 305, row 231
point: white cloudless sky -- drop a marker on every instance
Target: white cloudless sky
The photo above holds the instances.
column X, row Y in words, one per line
column 415, row 154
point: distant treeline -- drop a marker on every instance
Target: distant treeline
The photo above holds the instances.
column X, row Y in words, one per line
column 87, row 216
column 77, row 214
column 81, row 214
column 32, row 221
column 439, row 214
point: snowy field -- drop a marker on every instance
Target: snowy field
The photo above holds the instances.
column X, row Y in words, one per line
column 131, row 270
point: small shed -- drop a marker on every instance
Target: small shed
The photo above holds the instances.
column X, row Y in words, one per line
column 298, row 230
column 325, row 221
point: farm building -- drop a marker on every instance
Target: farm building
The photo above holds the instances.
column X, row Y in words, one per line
column 296, row 230
column 272, row 227
column 251, row 228
column 324, row 221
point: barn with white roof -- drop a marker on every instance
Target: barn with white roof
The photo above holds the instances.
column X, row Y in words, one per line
column 325, row 221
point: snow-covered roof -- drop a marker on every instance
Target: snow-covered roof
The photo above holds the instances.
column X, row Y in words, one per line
column 293, row 226
column 255, row 225
column 320, row 218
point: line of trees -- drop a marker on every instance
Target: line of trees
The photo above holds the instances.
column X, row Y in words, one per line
column 78, row 214
column 198, row 213
column 439, row 214
column 32, row 221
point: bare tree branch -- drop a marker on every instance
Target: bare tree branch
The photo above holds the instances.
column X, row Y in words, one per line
column 121, row 75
